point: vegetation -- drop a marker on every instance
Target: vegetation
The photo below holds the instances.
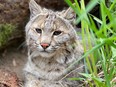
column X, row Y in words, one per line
column 5, row 32
column 99, row 42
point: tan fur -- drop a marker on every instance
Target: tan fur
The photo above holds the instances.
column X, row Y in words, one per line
column 46, row 68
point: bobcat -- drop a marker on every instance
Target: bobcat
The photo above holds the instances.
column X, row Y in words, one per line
column 53, row 46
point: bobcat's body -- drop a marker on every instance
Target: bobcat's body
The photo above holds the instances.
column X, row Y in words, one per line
column 52, row 46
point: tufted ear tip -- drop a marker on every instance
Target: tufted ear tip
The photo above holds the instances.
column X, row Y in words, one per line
column 34, row 8
column 69, row 14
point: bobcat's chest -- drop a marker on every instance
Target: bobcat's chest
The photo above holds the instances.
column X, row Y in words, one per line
column 47, row 69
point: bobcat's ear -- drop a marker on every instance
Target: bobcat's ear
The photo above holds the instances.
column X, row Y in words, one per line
column 69, row 14
column 34, row 8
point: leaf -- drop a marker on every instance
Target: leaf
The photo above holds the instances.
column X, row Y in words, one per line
column 75, row 79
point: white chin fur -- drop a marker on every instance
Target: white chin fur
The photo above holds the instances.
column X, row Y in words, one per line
column 46, row 55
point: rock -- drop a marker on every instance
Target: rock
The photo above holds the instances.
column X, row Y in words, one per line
column 8, row 79
column 16, row 13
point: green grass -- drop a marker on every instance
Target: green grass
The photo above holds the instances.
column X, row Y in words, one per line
column 99, row 42
column 5, row 32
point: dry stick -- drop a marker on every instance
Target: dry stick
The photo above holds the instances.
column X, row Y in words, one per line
column 101, row 74
column 69, row 74
column 61, row 84
column 114, row 79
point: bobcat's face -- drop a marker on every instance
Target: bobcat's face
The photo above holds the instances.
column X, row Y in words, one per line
column 47, row 31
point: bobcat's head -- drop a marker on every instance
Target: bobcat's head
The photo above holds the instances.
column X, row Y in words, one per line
column 48, row 31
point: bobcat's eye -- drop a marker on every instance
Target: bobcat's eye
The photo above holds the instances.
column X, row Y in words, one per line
column 38, row 30
column 57, row 32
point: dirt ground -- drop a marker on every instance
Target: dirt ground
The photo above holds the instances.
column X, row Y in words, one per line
column 14, row 59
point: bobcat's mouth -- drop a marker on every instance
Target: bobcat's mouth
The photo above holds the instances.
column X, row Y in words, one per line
column 46, row 54
column 47, row 51
column 44, row 51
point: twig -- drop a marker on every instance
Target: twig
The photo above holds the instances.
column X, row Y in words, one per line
column 70, row 73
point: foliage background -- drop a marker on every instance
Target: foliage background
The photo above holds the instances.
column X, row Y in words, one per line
column 99, row 41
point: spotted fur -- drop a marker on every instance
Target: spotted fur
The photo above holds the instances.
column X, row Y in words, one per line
column 46, row 67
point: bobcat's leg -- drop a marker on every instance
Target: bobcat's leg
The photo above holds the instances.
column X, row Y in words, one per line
column 31, row 81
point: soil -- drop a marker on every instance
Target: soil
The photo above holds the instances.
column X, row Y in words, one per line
column 14, row 59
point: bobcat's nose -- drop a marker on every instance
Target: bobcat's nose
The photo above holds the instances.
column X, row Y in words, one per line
column 45, row 45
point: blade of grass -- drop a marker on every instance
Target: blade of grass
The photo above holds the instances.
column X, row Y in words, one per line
column 87, row 53
column 105, row 69
column 72, row 6
column 91, row 4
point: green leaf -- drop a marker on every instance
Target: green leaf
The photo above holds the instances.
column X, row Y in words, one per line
column 75, row 79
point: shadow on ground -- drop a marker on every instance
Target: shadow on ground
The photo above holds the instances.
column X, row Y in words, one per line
column 14, row 59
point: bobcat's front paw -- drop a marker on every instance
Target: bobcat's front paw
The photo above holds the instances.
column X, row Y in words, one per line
column 33, row 83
